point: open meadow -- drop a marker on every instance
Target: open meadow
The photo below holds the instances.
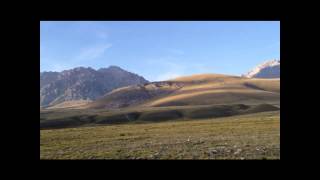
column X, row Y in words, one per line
column 250, row 136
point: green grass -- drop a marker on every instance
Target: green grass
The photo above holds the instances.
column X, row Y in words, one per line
column 252, row 136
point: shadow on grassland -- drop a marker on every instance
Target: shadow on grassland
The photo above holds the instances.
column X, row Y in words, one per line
column 156, row 115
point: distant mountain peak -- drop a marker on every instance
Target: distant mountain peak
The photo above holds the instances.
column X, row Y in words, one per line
column 82, row 68
column 83, row 83
column 114, row 67
column 268, row 69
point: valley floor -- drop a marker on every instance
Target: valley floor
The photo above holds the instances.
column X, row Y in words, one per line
column 251, row 136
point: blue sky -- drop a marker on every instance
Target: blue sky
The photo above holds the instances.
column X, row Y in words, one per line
column 159, row 50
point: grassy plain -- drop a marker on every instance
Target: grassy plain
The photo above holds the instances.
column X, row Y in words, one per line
column 250, row 136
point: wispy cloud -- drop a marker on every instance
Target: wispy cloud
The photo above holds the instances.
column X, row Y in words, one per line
column 172, row 67
column 79, row 59
column 54, row 65
column 166, row 67
column 167, row 76
column 93, row 52
column 89, row 28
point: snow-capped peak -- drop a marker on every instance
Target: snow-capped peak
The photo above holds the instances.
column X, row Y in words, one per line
column 268, row 69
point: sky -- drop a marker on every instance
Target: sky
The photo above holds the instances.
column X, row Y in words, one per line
column 159, row 50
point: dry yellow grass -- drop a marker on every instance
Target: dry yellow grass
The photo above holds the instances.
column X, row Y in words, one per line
column 197, row 94
column 218, row 89
column 266, row 84
column 75, row 104
column 200, row 89
column 203, row 77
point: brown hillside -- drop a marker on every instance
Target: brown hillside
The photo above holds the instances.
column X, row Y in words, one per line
column 202, row 89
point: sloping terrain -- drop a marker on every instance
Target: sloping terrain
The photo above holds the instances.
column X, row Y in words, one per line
column 207, row 116
column 73, row 104
column 51, row 119
column 203, row 89
column 83, row 84
column 134, row 95
column 269, row 69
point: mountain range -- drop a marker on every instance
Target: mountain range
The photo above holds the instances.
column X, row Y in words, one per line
column 113, row 87
column 83, row 84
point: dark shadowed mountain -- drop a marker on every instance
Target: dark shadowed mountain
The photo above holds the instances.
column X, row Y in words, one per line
column 83, row 84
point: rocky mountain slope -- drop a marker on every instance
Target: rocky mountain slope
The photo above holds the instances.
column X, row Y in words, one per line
column 83, row 84
column 269, row 69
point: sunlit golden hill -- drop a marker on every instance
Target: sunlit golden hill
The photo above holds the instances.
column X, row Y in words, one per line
column 201, row 89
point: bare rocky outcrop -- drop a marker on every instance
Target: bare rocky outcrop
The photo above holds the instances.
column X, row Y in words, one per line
column 269, row 69
column 83, row 84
